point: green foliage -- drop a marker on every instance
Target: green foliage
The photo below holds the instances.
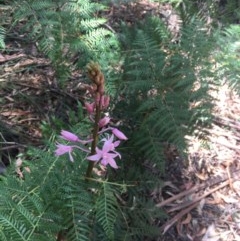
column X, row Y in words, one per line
column 227, row 57
column 2, row 37
column 66, row 31
column 48, row 200
column 23, row 213
column 215, row 11
column 166, row 85
column 54, row 199
column 107, row 210
column 228, row 11
column 163, row 95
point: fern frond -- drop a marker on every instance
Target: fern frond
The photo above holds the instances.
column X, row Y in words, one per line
column 63, row 29
column 106, row 207
column 2, row 36
column 78, row 208
column 89, row 24
column 167, row 80
column 228, row 56
column 22, row 213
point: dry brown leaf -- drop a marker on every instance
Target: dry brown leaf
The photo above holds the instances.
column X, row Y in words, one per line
column 201, row 176
column 179, row 228
column 217, row 198
column 188, row 219
column 201, row 232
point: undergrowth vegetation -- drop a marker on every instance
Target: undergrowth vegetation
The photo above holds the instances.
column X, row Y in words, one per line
column 155, row 87
column 67, row 32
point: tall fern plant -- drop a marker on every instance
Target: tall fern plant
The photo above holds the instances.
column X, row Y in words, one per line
column 227, row 57
column 166, row 85
column 2, row 37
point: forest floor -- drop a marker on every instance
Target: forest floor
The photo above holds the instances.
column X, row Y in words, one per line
column 201, row 192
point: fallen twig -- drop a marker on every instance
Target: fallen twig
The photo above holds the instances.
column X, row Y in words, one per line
column 208, row 183
column 5, row 58
column 190, row 205
column 164, row 228
column 199, row 198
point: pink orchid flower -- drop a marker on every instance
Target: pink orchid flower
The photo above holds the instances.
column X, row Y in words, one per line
column 107, row 154
column 62, row 149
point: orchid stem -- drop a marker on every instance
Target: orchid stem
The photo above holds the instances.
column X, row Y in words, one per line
column 95, row 139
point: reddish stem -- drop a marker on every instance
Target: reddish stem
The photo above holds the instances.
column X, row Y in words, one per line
column 95, row 139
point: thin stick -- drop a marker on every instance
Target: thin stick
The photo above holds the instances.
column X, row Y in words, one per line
column 191, row 205
column 196, row 188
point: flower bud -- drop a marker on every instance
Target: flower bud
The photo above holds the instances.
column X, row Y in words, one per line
column 119, row 134
column 68, row 136
column 104, row 121
column 105, row 101
column 90, row 107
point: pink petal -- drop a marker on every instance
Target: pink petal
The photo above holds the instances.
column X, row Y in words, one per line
column 108, row 145
column 62, row 149
column 104, row 162
column 110, row 160
column 117, row 154
column 119, row 134
column 95, row 157
column 104, row 121
column 116, row 143
column 68, row 136
column 113, row 164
